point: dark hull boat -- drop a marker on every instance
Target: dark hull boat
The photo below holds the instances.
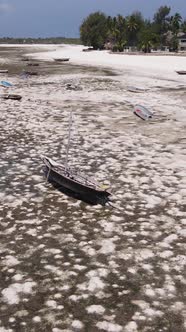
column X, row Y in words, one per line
column 181, row 72
column 33, row 64
column 3, row 71
column 30, row 73
column 73, row 184
column 12, row 96
column 61, row 59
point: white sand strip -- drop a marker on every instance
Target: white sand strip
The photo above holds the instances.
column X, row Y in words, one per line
column 152, row 64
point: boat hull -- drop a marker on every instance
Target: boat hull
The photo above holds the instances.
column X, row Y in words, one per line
column 62, row 59
column 142, row 112
column 5, row 84
column 181, row 72
column 69, row 186
column 3, row 71
column 12, row 96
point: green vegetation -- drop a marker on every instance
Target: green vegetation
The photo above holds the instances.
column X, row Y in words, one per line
column 52, row 40
column 93, row 30
column 116, row 33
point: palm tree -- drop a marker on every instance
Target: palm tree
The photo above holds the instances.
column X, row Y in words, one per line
column 132, row 29
column 183, row 26
column 131, row 23
column 161, row 23
column 121, row 33
column 147, row 39
column 116, row 33
column 175, row 23
column 111, row 27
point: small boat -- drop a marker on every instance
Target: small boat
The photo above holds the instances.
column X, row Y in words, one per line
column 5, row 84
column 30, row 73
column 61, row 59
column 73, row 183
column 33, row 64
column 70, row 86
column 12, row 96
column 87, row 49
column 142, row 112
column 3, row 71
column 181, row 72
column 135, row 89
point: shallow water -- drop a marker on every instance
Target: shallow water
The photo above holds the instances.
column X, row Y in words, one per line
column 68, row 266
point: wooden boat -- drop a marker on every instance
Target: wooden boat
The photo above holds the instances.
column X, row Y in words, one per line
column 87, row 49
column 12, row 96
column 79, row 186
column 181, row 72
column 142, row 112
column 33, row 64
column 30, row 73
column 70, row 86
column 135, row 89
column 61, row 59
column 3, row 71
column 73, row 183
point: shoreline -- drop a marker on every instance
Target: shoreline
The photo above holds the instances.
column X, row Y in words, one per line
column 66, row 263
column 151, row 53
column 158, row 53
column 158, row 64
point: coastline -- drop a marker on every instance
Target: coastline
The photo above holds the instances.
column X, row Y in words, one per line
column 163, row 53
column 69, row 266
column 158, row 65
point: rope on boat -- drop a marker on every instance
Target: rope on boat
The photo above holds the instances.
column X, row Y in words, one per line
column 48, row 174
column 114, row 206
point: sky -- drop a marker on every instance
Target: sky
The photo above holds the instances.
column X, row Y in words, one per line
column 62, row 18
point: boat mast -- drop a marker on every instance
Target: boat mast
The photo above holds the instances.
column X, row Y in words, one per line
column 69, row 138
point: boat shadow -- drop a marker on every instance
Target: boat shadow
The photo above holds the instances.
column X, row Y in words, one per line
column 73, row 194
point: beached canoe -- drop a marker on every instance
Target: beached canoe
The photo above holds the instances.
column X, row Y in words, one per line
column 135, row 89
column 12, row 96
column 30, row 73
column 5, row 84
column 70, row 86
column 3, row 71
column 181, row 72
column 61, row 59
column 33, row 64
column 89, row 49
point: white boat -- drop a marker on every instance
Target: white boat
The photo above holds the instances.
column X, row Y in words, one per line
column 142, row 112
column 135, row 89
column 3, row 71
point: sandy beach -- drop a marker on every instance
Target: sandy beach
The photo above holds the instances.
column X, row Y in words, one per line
column 67, row 266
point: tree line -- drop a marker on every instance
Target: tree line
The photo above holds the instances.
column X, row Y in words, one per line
column 49, row 40
column 100, row 31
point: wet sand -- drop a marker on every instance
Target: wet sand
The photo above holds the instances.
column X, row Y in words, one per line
column 65, row 265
